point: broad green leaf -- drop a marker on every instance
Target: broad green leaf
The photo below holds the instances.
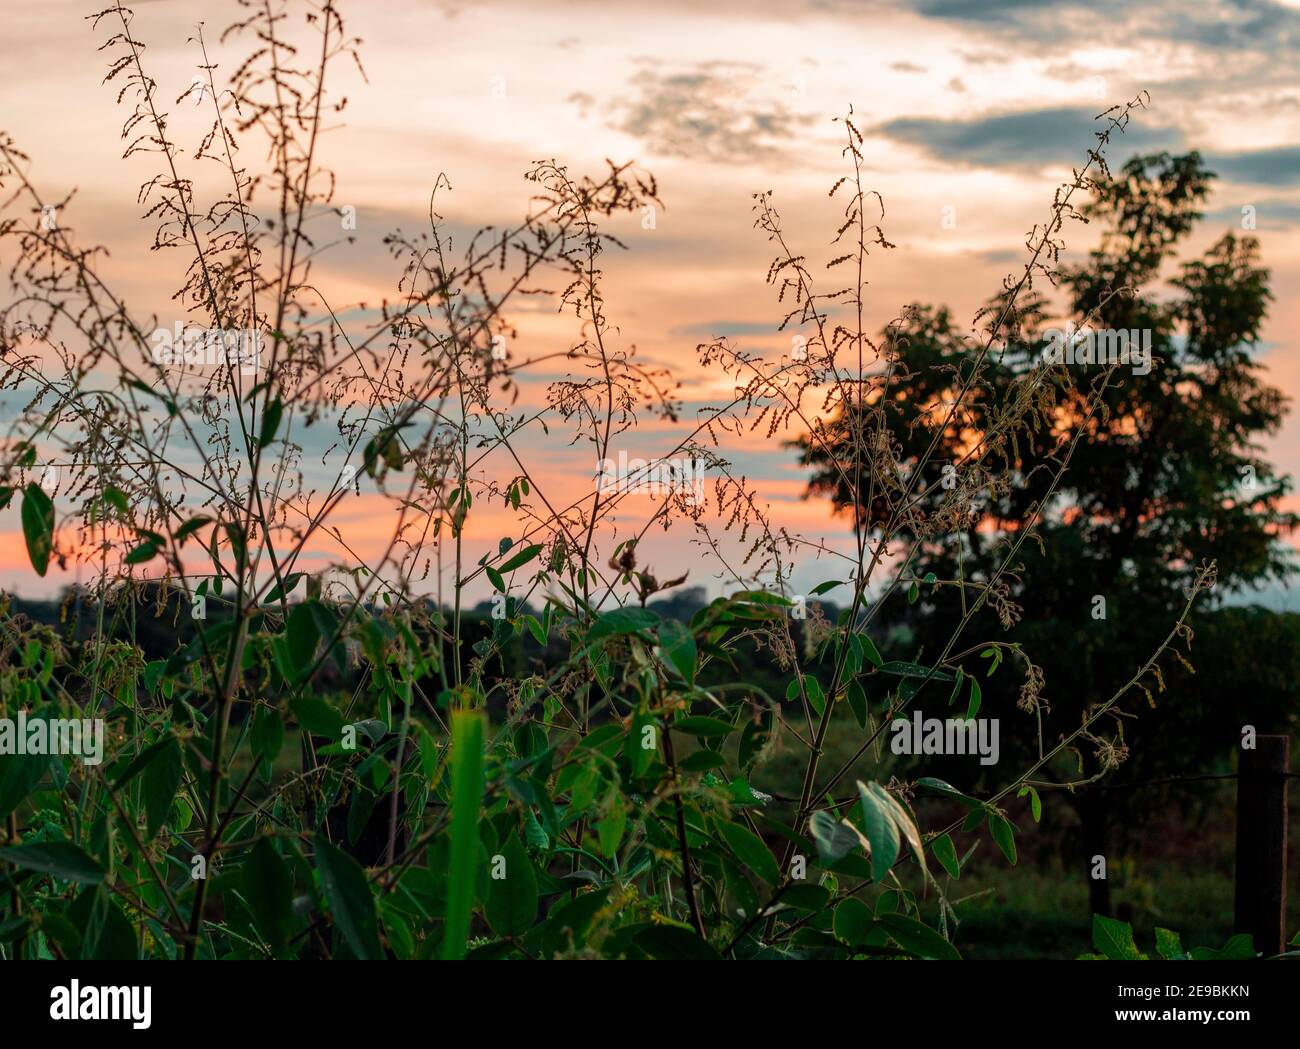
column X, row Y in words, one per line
column 60, row 859
column 678, row 647
column 1114, row 939
column 351, row 903
column 834, row 839
column 267, row 736
column 611, row 826
column 704, row 727
column 317, row 717
column 146, row 551
column 869, row 650
column 567, row 924
column 270, row 422
column 881, row 830
column 920, row 939
column 853, row 920
column 19, row 775
column 522, row 558
column 38, row 527
column 1004, row 834
column 948, row 791
column 268, row 891
column 946, row 853
column 162, row 778
column 805, row 897
column 512, row 903
column 674, row 943
column 302, row 632
column 1168, row 944
column 816, row 697
column 622, row 621
column 751, row 851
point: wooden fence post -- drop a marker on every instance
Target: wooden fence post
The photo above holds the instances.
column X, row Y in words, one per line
column 1260, row 905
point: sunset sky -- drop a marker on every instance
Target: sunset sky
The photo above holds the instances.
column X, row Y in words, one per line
column 981, row 107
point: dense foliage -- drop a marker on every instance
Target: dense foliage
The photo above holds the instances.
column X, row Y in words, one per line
column 339, row 760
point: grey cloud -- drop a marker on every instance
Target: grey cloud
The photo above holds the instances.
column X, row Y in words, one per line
column 1278, row 166
column 718, row 111
column 1022, row 139
column 1270, row 214
column 1240, row 25
column 720, row 329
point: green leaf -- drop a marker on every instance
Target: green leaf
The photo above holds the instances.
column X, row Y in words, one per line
column 885, row 820
column 317, row 717
column 190, row 527
column 822, row 588
column 1114, row 939
column 858, row 703
column 19, row 775
column 162, row 778
column 146, row 551
column 496, row 579
column 1168, row 945
column 522, row 558
column 568, row 923
column 704, row 727
column 611, row 826
column 901, row 669
column 678, row 647
column 267, row 736
column 270, row 422
column 467, row 735
column 284, row 588
column 881, row 830
column 816, row 697
column 869, row 650
column 853, row 920
column 834, row 838
column 60, row 859
column 621, row 621
column 806, row 897
column 1238, row 948
column 38, row 527
column 268, row 891
column 946, row 853
column 1004, row 835
column 674, row 943
column 512, row 903
column 948, row 791
column 920, row 939
column 975, row 698
column 302, row 631
column 751, row 851
column 345, row 887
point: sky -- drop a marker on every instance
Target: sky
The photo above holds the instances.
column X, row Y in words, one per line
column 972, row 114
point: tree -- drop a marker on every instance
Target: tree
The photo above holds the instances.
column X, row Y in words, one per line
column 1168, row 477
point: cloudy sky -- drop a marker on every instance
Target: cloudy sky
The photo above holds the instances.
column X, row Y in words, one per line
column 980, row 108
